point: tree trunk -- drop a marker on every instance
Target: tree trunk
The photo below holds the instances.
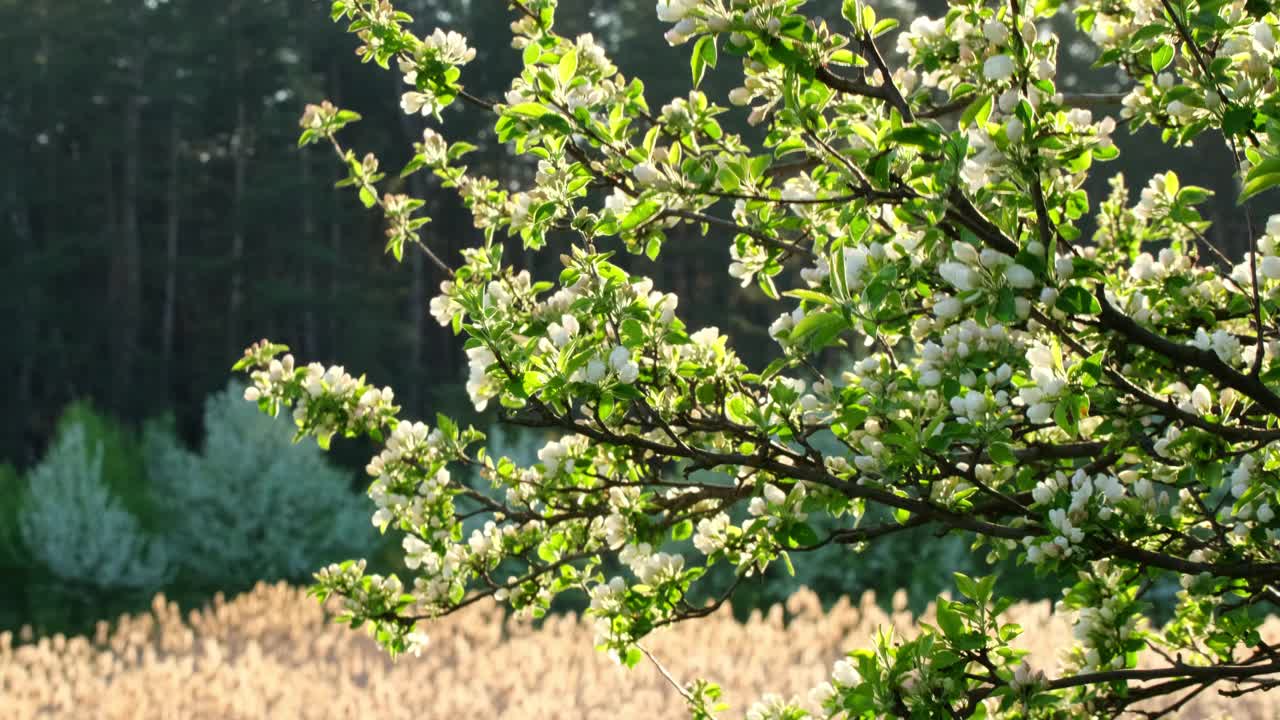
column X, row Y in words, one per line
column 126, row 260
column 240, row 149
column 171, row 247
column 308, row 254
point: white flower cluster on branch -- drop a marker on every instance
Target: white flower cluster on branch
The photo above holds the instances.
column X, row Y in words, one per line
column 954, row 350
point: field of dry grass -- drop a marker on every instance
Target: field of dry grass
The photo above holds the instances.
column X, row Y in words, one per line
column 271, row 653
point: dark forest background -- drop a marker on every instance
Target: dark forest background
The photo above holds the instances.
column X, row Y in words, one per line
column 156, row 216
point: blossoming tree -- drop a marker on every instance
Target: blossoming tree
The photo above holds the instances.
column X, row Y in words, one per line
column 1083, row 384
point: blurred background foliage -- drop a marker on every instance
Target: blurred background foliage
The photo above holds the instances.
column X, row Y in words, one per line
column 156, row 217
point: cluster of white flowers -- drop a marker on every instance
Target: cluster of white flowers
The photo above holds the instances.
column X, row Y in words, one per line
column 560, row 333
column 559, row 303
column 817, row 274
column 1060, row 546
column 958, row 342
column 481, row 386
column 649, row 567
column 1081, row 120
column 1026, row 677
column 1268, row 261
column 1242, row 479
column 775, row 504
column 648, row 174
column 680, row 13
column 360, row 591
column 706, row 347
column 1100, row 629
column 1197, row 401
column 618, row 365
column 781, row 328
column 970, row 407
column 712, row 533
column 488, row 541
column 1226, row 346
column 558, row 456
column 869, row 455
column 434, row 149
column 770, row 706
column 748, row 259
column 449, row 48
column 1090, row 497
column 1115, row 24
column 265, row 382
column 1250, row 48
column 661, row 305
column 760, row 82
column 356, row 401
column 980, row 167
column 1243, row 475
column 971, row 268
column 592, row 55
column 845, row 674
column 396, row 491
column 1155, row 199
column 443, row 305
column 818, row 406
column 856, row 265
column 982, row 45
column 1040, row 397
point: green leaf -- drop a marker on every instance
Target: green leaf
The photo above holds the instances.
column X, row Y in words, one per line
column 682, row 530
column 1065, row 415
column 1006, row 305
column 818, row 328
column 568, row 66
column 849, row 9
column 977, row 112
column 1091, row 369
column 367, row 197
column 1236, row 120
column 949, row 620
column 528, row 109
column 917, row 135
column 883, row 26
column 459, row 149
column 531, row 53
column 1075, row 300
column 801, row 535
column 652, row 247
column 640, row 213
column 632, row 333
column 811, row 296
column 1262, row 176
column 1002, row 453
column 704, row 56
column 533, row 381
column 607, row 405
column 1161, row 57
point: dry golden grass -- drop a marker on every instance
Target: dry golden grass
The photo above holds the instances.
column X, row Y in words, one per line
column 271, row 653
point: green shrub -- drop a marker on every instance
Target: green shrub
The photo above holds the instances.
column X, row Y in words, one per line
column 123, row 469
column 74, row 526
column 250, row 505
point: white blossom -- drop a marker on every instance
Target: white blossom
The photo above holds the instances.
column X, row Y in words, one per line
column 998, row 68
